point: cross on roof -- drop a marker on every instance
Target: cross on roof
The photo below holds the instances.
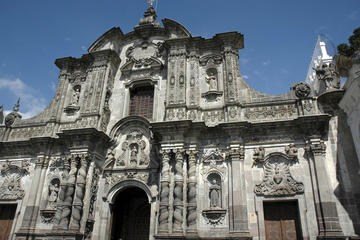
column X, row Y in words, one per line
column 150, row 1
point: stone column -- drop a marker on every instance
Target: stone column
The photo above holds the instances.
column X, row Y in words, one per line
column 327, row 216
column 70, row 189
column 77, row 207
column 191, row 193
column 178, row 191
column 62, row 192
column 164, row 194
column 237, row 204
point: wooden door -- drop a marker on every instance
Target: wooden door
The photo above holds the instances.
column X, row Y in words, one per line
column 282, row 221
column 7, row 214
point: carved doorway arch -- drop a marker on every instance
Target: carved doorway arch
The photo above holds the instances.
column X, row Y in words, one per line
column 130, row 215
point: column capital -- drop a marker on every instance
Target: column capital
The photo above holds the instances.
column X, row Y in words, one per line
column 236, row 153
column 316, row 147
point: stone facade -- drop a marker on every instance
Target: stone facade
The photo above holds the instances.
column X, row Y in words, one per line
column 210, row 157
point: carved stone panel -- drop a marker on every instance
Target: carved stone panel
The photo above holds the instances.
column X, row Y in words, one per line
column 10, row 183
column 277, row 180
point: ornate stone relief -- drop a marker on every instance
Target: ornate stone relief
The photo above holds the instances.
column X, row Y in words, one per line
column 258, row 155
column 12, row 173
column 329, row 75
column 277, row 180
column 213, row 117
column 271, row 112
column 11, row 117
column 210, row 59
column 115, row 178
column 302, row 90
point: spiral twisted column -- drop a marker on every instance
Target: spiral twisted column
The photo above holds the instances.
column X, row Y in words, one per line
column 77, row 209
column 178, row 191
column 70, row 189
column 164, row 194
column 191, row 192
column 62, row 193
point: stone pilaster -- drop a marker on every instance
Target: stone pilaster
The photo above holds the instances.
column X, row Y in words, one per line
column 31, row 210
column 164, row 194
column 191, row 193
column 77, row 209
column 67, row 203
column 178, row 191
column 327, row 216
column 237, row 204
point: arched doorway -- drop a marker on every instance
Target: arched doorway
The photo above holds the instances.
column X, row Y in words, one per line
column 130, row 215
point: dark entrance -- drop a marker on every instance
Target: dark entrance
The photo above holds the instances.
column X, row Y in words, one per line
column 282, row 221
column 131, row 215
column 7, row 214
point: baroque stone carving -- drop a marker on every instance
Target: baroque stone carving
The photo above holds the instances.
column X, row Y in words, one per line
column 277, row 180
column 213, row 93
column 12, row 173
column 165, row 190
column 214, row 216
column 291, row 151
column 191, row 194
column 270, row 112
column 329, row 75
column 178, row 190
column 11, row 117
column 258, row 155
column 302, row 90
column 133, row 151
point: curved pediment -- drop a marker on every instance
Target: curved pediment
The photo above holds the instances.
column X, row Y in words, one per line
column 109, row 36
column 175, row 29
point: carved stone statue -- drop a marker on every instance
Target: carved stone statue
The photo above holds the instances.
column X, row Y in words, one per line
column 329, row 75
column 258, row 156
column 53, row 194
column 214, row 194
column 212, row 81
column 76, row 96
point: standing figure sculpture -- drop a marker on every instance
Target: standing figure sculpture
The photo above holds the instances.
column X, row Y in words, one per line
column 212, row 81
column 53, row 194
column 215, row 196
column 329, row 75
column 76, row 96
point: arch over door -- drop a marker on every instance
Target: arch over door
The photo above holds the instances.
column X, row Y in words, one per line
column 130, row 215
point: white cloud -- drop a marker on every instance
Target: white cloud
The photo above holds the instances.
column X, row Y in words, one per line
column 83, row 48
column 30, row 103
column 244, row 60
column 53, row 86
column 245, row 76
column 266, row 63
column 284, row 71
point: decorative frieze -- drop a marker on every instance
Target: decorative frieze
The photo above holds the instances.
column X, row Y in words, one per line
column 271, row 112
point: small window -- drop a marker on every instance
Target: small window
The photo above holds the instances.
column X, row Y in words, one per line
column 141, row 102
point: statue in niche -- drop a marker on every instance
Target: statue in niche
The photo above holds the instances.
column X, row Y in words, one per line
column 76, row 95
column 133, row 154
column 54, row 188
column 215, row 195
column 211, row 79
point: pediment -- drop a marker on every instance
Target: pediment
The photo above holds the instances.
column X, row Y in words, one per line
column 213, row 157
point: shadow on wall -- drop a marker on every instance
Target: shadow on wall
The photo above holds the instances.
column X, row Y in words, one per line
column 347, row 173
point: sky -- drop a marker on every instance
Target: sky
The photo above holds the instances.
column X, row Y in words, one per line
column 279, row 37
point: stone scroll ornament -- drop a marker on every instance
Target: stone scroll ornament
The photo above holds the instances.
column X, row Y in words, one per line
column 12, row 173
column 277, row 180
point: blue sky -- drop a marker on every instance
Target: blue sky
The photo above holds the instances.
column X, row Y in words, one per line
column 279, row 37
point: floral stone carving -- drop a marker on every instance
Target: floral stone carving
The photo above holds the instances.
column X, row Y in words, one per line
column 302, row 90
column 214, row 216
column 277, row 179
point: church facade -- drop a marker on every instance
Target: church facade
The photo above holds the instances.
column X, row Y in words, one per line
column 154, row 134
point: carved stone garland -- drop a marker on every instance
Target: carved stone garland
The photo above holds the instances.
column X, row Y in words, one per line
column 165, row 190
column 191, row 194
column 277, row 179
column 12, row 173
column 178, row 190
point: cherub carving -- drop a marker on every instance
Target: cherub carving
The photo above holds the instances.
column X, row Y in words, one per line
column 258, row 155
